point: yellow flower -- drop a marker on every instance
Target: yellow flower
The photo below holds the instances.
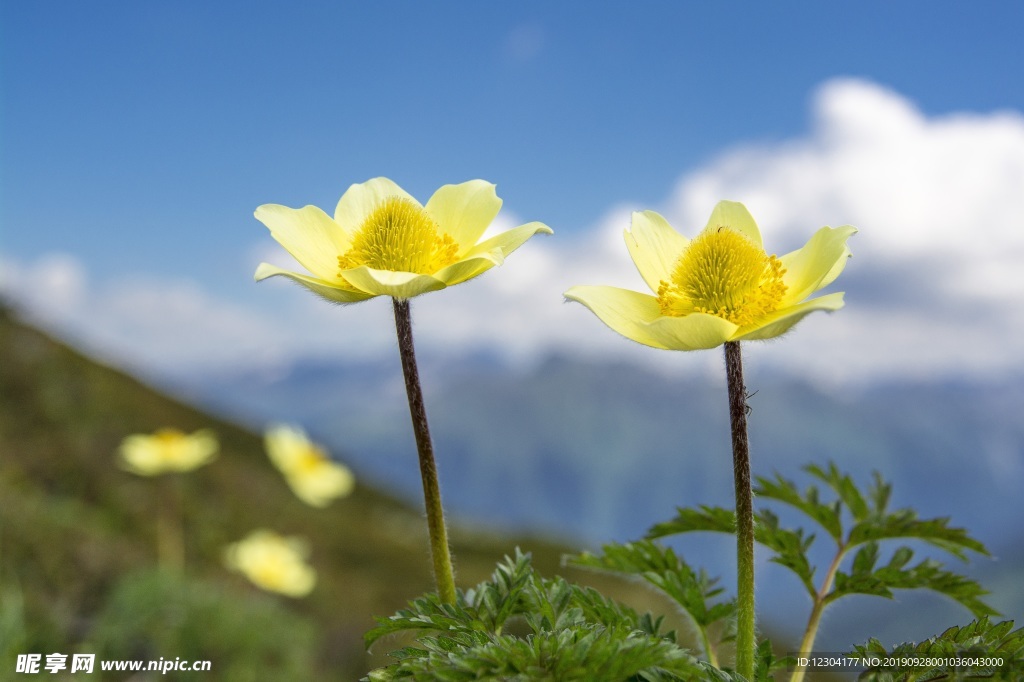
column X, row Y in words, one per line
column 313, row 476
column 382, row 242
column 720, row 286
column 273, row 563
column 167, row 450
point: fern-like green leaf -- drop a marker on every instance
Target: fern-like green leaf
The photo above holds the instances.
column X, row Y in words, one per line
column 929, row 574
column 980, row 650
column 905, row 524
column 766, row 664
column 575, row 634
column 689, row 520
column 783, row 490
column 790, row 547
column 662, row 568
column 843, row 486
column 583, row 653
column 483, row 608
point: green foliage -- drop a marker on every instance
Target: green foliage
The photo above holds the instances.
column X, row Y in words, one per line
column 246, row 636
column 868, row 519
column 660, row 567
column 13, row 635
column 986, row 651
column 766, row 663
column 865, row 578
column 573, row 633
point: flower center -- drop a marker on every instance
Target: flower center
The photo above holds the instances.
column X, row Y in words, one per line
column 310, row 459
column 399, row 236
column 272, row 569
column 723, row 273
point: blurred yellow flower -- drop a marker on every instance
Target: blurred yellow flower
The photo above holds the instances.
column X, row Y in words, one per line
column 720, row 286
column 312, row 475
column 382, row 242
column 167, row 450
column 273, row 563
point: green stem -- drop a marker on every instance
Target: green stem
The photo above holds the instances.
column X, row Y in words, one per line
column 706, row 642
column 170, row 534
column 815, row 618
column 745, row 644
column 440, row 553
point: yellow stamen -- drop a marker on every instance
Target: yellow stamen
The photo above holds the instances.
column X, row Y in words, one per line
column 723, row 273
column 399, row 236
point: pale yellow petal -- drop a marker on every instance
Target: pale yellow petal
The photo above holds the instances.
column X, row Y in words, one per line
column 837, row 269
column 464, row 211
column 627, row 312
column 140, row 456
column 359, row 200
column 735, row 215
column 654, row 246
column 309, row 235
column 781, row 321
column 816, row 264
column 696, row 331
column 167, row 450
column 468, row 268
column 321, row 485
column 400, row 285
column 509, row 240
column 338, row 293
column 198, row 449
column 284, row 445
column 272, row 562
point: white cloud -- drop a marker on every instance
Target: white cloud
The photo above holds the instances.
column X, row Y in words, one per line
column 142, row 322
column 941, row 212
column 920, row 188
column 934, row 286
column 935, row 283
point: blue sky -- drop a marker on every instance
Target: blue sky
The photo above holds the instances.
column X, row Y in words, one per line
column 138, row 137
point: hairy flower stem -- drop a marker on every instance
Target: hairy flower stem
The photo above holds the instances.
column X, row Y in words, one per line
column 428, row 469
column 744, row 511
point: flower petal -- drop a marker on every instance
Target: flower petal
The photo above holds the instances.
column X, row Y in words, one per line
column 654, row 246
column 400, row 285
column 464, row 211
column 309, row 235
column 359, row 200
column 509, row 240
column 736, row 216
column 468, row 268
column 781, row 321
column 627, row 312
column 696, row 331
column 338, row 293
column 816, row 264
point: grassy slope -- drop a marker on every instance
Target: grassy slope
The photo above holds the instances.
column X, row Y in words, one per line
column 72, row 523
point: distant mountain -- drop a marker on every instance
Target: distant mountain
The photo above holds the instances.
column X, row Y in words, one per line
column 602, row 451
column 576, row 442
column 76, row 531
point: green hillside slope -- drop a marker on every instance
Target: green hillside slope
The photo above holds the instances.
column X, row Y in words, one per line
column 77, row 534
